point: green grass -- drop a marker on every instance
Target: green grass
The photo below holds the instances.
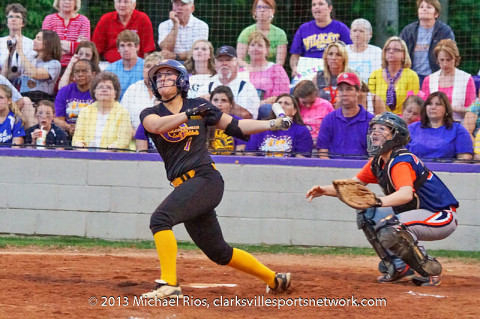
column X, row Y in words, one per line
column 66, row 242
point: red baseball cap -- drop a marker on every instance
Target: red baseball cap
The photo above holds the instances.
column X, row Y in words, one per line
column 349, row 78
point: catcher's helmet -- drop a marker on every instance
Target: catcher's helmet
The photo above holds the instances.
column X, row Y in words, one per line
column 400, row 133
column 182, row 83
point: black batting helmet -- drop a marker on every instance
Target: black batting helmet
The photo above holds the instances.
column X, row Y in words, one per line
column 182, row 83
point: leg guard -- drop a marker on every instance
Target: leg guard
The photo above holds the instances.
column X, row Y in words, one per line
column 393, row 236
column 365, row 223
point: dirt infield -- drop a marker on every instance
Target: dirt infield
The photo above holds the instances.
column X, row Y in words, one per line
column 41, row 283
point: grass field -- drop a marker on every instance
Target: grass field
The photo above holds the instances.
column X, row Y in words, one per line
column 59, row 242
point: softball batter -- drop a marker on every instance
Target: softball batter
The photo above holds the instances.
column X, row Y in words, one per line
column 417, row 205
column 178, row 127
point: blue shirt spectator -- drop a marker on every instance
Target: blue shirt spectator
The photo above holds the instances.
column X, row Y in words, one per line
column 129, row 68
column 343, row 133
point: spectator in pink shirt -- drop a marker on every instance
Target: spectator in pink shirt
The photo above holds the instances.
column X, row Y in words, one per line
column 71, row 27
column 268, row 78
column 455, row 83
column 312, row 108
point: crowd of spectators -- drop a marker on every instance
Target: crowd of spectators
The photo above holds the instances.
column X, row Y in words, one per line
column 83, row 86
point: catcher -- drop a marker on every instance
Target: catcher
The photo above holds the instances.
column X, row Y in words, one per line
column 416, row 206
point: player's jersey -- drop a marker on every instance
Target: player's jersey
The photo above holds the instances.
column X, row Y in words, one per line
column 185, row 147
column 430, row 192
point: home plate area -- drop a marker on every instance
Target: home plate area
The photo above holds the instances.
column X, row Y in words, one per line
column 108, row 283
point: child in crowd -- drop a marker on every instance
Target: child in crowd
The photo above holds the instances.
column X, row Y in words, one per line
column 46, row 132
column 412, row 109
column 11, row 120
column 312, row 108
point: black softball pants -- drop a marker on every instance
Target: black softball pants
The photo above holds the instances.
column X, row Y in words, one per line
column 193, row 203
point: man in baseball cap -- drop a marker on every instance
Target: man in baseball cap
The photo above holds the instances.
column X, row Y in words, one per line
column 177, row 35
column 226, row 50
column 343, row 132
column 245, row 94
column 349, row 78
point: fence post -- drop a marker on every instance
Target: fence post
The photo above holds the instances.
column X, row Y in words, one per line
column 444, row 14
column 387, row 20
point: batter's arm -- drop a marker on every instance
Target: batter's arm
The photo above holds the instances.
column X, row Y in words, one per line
column 247, row 126
column 162, row 124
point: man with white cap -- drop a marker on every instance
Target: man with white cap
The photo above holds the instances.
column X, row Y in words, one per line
column 343, row 132
column 176, row 35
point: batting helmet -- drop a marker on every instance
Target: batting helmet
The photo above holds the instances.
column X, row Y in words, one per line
column 398, row 127
column 182, row 83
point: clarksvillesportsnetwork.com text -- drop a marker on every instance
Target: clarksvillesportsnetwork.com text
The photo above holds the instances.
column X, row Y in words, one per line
column 256, row 301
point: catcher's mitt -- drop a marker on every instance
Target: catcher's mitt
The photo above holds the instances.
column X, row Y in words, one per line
column 355, row 195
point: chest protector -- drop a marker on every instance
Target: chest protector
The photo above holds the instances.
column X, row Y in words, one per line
column 429, row 191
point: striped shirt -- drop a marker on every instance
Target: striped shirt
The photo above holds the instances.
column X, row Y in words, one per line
column 78, row 26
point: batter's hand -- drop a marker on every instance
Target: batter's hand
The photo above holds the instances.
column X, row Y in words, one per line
column 282, row 123
column 315, row 191
column 197, row 112
column 212, row 116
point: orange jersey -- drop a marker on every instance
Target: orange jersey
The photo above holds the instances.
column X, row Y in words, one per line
column 402, row 174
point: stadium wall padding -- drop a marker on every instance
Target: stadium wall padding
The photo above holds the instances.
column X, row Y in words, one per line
column 111, row 196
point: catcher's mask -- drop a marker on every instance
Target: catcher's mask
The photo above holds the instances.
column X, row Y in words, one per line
column 398, row 127
column 182, row 83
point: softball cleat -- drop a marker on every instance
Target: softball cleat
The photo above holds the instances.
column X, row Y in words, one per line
column 428, row 281
column 163, row 290
column 399, row 276
column 282, row 282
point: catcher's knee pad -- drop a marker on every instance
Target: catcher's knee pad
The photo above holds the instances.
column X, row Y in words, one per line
column 394, row 237
column 365, row 216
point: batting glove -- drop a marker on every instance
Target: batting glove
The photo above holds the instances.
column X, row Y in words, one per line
column 198, row 112
column 212, row 116
column 283, row 124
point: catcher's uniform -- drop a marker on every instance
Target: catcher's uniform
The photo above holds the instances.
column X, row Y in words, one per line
column 198, row 185
column 431, row 215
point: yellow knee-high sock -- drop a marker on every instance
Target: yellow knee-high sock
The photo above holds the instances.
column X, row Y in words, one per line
column 243, row 261
column 166, row 245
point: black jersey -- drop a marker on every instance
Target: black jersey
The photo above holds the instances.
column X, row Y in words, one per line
column 185, row 147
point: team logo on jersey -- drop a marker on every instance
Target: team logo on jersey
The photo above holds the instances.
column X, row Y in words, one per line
column 180, row 133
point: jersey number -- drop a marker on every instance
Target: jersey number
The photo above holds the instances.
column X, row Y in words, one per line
column 187, row 145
